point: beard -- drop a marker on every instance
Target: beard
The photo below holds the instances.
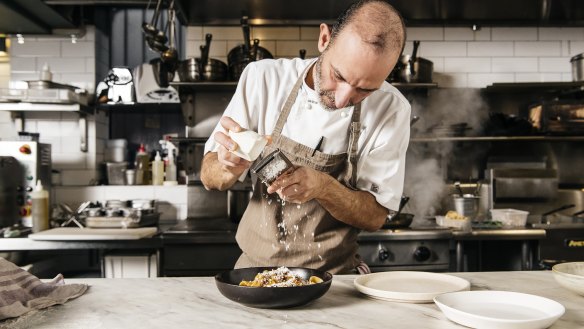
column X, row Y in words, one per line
column 326, row 98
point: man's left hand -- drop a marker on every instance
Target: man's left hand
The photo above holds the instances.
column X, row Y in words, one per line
column 301, row 185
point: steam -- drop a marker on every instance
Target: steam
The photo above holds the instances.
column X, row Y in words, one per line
column 426, row 181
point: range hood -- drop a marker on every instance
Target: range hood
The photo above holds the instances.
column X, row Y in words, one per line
column 35, row 17
column 416, row 12
column 41, row 16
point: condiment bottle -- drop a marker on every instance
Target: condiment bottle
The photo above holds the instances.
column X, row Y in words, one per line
column 40, row 208
column 157, row 170
column 142, row 164
column 170, row 175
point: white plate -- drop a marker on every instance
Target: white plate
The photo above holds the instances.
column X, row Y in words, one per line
column 409, row 286
column 570, row 275
column 499, row 309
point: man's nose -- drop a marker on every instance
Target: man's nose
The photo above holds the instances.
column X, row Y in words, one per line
column 343, row 95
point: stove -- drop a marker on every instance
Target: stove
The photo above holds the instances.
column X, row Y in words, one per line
column 413, row 249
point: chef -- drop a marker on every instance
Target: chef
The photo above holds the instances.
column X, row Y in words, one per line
column 343, row 127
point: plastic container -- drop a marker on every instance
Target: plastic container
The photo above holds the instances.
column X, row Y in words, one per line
column 510, row 217
column 170, row 174
column 142, row 165
column 40, row 208
column 157, row 170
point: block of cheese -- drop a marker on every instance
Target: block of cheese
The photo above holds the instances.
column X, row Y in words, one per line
column 250, row 144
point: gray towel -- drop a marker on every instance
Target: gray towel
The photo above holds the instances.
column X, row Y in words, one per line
column 21, row 292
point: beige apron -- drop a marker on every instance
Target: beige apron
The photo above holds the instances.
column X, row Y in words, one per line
column 273, row 232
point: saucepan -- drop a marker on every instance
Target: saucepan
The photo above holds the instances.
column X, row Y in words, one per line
column 271, row 297
column 212, row 69
column 245, row 53
column 411, row 68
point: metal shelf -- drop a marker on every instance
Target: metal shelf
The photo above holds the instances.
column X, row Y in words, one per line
column 535, row 86
column 139, row 107
column 205, row 86
column 19, row 109
column 499, row 139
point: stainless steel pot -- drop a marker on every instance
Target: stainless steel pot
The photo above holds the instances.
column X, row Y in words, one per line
column 411, row 69
column 577, row 67
column 190, row 69
column 245, row 53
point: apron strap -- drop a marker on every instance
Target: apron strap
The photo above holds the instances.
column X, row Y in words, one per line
column 288, row 106
column 352, row 159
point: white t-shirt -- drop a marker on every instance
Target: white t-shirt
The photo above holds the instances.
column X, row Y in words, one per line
column 385, row 115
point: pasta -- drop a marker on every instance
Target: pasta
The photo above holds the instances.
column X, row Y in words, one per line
column 280, row 277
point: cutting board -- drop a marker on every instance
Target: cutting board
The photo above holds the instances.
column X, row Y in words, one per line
column 76, row 233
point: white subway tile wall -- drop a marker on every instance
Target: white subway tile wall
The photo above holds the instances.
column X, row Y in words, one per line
column 462, row 58
column 70, row 64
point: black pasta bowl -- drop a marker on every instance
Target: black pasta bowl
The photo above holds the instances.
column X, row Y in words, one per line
column 271, row 297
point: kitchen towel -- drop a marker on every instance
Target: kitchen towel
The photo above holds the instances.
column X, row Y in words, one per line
column 21, row 292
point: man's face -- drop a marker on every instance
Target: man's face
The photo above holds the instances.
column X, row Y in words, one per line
column 349, row 70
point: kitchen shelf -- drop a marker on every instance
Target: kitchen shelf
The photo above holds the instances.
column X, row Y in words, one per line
column 535, row 86
column 499, row 139
column 139, row 107
column 19, row 108
column 189, row 140
column 232, row 85
column 205, row 86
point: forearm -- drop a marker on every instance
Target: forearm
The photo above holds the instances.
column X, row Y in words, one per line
column 356, row 208
column 215, row 175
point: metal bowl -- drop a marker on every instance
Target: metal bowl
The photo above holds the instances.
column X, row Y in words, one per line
column 402, row 220
column 271, row 297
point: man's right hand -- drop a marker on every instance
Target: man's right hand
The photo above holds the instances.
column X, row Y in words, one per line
column 230, row 161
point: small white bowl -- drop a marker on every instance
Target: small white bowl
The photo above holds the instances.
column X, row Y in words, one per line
column 570, row 276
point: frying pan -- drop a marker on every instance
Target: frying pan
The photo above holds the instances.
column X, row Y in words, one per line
column 399, row 219
column 271, row 297
column 245, row 53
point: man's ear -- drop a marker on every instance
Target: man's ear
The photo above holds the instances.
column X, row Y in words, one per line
column 324, row 38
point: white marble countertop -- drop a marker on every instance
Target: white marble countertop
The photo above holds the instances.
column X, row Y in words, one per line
column 196, row 303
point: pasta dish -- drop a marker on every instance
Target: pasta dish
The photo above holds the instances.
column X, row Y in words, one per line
column 280, row 277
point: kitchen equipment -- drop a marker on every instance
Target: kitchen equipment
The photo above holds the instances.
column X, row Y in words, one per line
column 148, row 87
column 212, row 69
column 570, row 276
column 243, row 54
column 561, row 117
column 510, row 217
column 467, row 205
column 271, row 297
column 272, row 166
column 116, row 172
column 120, row 86
column 412, row 69
column 409, row 286
column 41, row 91
column 79, row 234
column 577, row 63
column 11, row 194
column 116, row 150
column 499, row 309
column 544, row 216
column 522, row 183
column 409, row 249
column 399, row 219
column 34, row 159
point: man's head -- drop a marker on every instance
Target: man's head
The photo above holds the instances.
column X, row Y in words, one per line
column 357, row 53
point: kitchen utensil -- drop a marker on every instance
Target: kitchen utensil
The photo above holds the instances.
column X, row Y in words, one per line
column 203, row 68
column 414, row 119
column 243, row 54
column 399, row 219
column 577, row 63
column 170, row 56
column 412, row 69
column 271, row 297
column 458, row 188
column 499, row 309
column 272, row 166
column 302, row 53
column 570, row 276
column 409, row 286
column 544, row 216
column 74, row 215
column 467, row 205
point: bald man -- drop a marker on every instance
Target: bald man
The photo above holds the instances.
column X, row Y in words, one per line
column 344, row 128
